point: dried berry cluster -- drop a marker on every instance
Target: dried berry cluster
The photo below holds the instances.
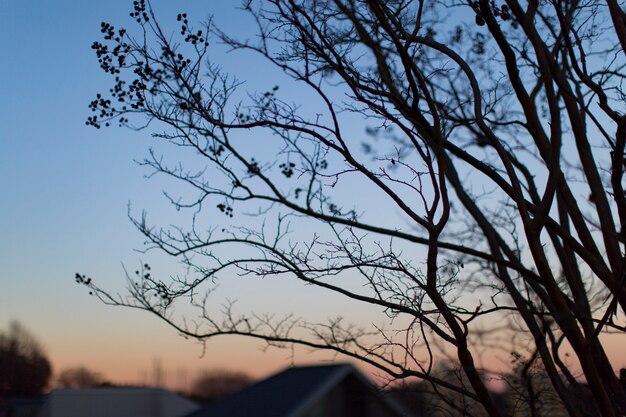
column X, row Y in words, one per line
column 140, row 14
column 193, row 38
column 226, row 209
column 83, row 280
column 287, row 169
column 112, row 61
column 253, row 167
column 132, row 95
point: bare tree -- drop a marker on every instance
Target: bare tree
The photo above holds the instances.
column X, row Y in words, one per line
column 495, row 144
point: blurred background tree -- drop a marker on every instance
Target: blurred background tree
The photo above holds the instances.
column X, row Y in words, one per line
column 24, row 367
column 79, row 377
column 214, row 384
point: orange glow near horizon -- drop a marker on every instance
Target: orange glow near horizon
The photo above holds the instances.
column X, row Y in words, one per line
column 137, row 358
column 66, row 190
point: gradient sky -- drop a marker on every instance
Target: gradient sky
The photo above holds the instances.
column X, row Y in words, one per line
column 64, row 191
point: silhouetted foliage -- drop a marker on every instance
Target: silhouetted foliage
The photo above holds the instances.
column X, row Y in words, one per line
column 24, row 367
column 455, row 166
column 215, row 384
column 79, row 377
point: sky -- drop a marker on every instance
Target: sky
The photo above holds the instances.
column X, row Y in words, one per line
column 65, row 191
column 64, row 195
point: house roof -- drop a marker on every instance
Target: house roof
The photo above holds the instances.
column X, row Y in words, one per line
column 285, row 394
column 111, row 402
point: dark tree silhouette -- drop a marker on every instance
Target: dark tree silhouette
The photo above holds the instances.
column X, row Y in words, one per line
column 79, row 377
column 214, row 384
column 24, row 367
column 483, row 211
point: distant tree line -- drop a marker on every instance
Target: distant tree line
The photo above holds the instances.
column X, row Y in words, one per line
column 80, row 377
column 26, row 371
column 215, row 384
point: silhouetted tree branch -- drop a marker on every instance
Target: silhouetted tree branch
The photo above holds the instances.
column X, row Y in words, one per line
column 495, row 143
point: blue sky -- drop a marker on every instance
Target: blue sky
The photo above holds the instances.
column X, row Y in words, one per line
column 64, row 192
column 65, row 189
